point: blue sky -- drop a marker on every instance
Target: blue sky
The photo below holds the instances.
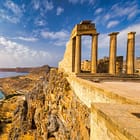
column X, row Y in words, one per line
column 35, row 32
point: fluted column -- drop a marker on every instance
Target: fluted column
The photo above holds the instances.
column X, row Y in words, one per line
column 94, row 53
column 78, row 54
column 112, row 52
column 130, row 53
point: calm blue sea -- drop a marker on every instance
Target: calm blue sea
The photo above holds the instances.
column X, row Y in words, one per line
column 10, row 74
column 1, row 95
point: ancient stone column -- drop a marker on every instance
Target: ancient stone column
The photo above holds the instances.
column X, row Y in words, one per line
column 94, row 53
column 73, row 53
column 130, row 53
column 112, row 52
column 78, row 54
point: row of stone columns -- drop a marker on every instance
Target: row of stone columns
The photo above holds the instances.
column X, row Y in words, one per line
column 112, row 53
column 94, row 49
column 129, row 56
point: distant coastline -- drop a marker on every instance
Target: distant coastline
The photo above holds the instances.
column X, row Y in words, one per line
column 18, row 69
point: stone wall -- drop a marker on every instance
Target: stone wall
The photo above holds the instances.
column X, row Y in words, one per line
column 103, row 65
column 103, row 129
column 65, row 64
column 114, row 122
column 89, row 92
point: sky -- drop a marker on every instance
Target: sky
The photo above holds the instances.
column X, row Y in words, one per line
column 35, row 32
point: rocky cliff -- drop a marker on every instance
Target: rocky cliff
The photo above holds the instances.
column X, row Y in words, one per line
column 50, row 111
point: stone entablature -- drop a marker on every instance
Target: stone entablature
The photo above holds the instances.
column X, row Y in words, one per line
column 84, row 28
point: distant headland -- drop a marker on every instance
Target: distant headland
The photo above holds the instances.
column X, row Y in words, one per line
column 20, row 69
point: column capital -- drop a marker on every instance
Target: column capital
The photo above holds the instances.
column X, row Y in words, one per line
column 113, row 33
column 131, row 33
column 95, row 34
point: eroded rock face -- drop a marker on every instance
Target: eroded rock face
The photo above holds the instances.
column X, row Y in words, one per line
column 51, row 112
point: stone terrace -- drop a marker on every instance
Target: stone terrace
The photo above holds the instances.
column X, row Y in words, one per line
column 114, row 100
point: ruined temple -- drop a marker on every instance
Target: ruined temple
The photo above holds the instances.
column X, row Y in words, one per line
column 70, row 104
column 72, row 58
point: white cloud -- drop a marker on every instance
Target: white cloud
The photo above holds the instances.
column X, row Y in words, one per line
column 127, row 9
column 55, row 35
column 36, row 4
column 42, row 5
column 59, row 38
column 107, row 17
column 112, row 24
column 12, row 12
column 59, row 11
column 48, row 5
column 13, row 54
column 104, row 39
column 82, row 1
column 40, row 22
column 28, row 39
column 5, row 16
column 73, row 1
column 13, row 7
column 98, row 11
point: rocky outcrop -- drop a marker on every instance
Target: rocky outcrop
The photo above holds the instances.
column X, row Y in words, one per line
column 51, row 112
column 22, row 84
column 13, row 106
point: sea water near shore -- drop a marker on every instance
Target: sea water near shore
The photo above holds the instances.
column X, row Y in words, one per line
column 1, row 95
column 11, row 74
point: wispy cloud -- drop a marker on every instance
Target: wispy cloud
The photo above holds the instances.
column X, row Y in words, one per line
column 59, row 11
column 121, row 40
column 13, row 7
column 40, row 22
column 36, row 4
column 82, row 1
column 59, row 38
column 13, row 54
column 73, row 1
column 119, row 11
column 12, row 12
column 48, row 5
column 112, row 23
column 28, row 39
column 127, row 9
column 5, row 16
column 44, row 4
column 55, row 35
column 98, row 11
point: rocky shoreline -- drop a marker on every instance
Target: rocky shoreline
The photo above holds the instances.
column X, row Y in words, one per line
column 48, row 110
column 14, row 90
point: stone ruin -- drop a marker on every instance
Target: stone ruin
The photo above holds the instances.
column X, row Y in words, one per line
column 113, row 65
column 103, row 65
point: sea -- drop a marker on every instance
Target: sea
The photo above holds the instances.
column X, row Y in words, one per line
column 9, row 74
column 1, row 95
